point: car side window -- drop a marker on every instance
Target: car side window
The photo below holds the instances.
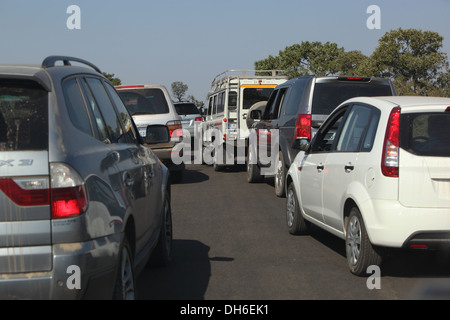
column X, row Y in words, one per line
column 291, row 106
column 76, row 106
column 100, row 125
column 327, row 135
column 107, row 110
column 354, row 129
column 273, row 106
column 127, row 121
column 269, row 105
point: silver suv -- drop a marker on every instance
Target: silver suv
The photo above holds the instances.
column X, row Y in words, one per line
column 84, row 204
column 151, row 104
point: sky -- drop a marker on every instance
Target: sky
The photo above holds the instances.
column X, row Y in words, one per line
column 163, row 41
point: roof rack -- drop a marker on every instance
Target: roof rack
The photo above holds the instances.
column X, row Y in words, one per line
column 233, row 73
column 51, row 61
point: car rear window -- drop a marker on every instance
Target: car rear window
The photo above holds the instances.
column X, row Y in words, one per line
column 186, row 108
column 328, row 95
column 23, row 116
column 254, row 95
column 426, row 134
column 144, row 101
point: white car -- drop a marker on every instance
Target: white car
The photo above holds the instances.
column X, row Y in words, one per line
column 376, row 174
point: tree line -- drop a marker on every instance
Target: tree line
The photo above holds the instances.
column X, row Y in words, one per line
column 413, row 59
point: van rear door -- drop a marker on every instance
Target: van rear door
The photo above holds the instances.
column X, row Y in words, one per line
column 25, row 214
column 424, row 168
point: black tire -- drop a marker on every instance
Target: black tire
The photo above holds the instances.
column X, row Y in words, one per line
column 359, row 251
column 162, row 254
column 280, row 176
column 253, row 171
column 125, row 286
column 296, row 224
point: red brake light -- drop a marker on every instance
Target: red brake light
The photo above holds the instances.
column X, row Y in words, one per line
column 389, row 162
column 198, row 119
column 24, row 197
column 303, row 127
column 175, row 128
column 67, row 195
column 129, row 87
column 67, row 202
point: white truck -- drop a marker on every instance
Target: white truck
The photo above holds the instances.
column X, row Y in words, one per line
column 232, row 93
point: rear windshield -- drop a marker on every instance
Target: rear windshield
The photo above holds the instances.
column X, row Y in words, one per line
column 426, row 134
column 327, row 96
column 144, row 101
column 23, row 116
column 254, row 95
column 186, row 108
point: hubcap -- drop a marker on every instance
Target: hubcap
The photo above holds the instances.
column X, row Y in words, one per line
column 290, row 208
column 168, row 227
column 353, row 240
column 279, row 174
column 127, row 276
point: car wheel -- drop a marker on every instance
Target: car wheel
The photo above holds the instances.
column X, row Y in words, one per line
column 253, row 171
column 125, row 287
column 280, row 175
column 359, row 251
column 296, row 223
column 161, row 256
column 216, row 165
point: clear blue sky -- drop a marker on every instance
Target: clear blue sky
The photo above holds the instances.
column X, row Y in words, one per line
column 162, row 41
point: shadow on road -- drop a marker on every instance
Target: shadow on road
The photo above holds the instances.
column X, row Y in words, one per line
column 397, row 263
column 190, row 176
column 186, row 278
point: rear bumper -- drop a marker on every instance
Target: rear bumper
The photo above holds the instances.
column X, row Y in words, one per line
column 393, row 225
column 83, row 270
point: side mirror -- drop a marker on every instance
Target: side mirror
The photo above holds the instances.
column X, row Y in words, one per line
column 157, row 134
column 301, row 144
column 255, row 114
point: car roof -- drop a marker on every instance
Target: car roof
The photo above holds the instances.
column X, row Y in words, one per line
column 403, row 101
column 47, row 70
column 139, row 86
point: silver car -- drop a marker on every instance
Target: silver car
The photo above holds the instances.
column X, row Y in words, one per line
column 85, row 205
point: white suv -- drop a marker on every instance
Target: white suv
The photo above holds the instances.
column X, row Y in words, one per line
column 377, row 174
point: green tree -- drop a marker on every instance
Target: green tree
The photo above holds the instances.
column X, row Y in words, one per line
column 413, row 59
column 305, row 58
column 198, row 104
column 179, row 89
column 111, row 77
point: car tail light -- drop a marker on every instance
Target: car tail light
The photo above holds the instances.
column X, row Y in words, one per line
column 389, row 162
column 129, row 87
column 198, row 119
column 447, row 110
column 303, row 127
column 67, row 196
column 175, row 128
column 27, row 192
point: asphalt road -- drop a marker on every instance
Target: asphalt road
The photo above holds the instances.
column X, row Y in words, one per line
column 231, row 243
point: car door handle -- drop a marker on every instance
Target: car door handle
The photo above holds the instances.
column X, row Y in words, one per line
column 320, row 167
column 349, row 167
